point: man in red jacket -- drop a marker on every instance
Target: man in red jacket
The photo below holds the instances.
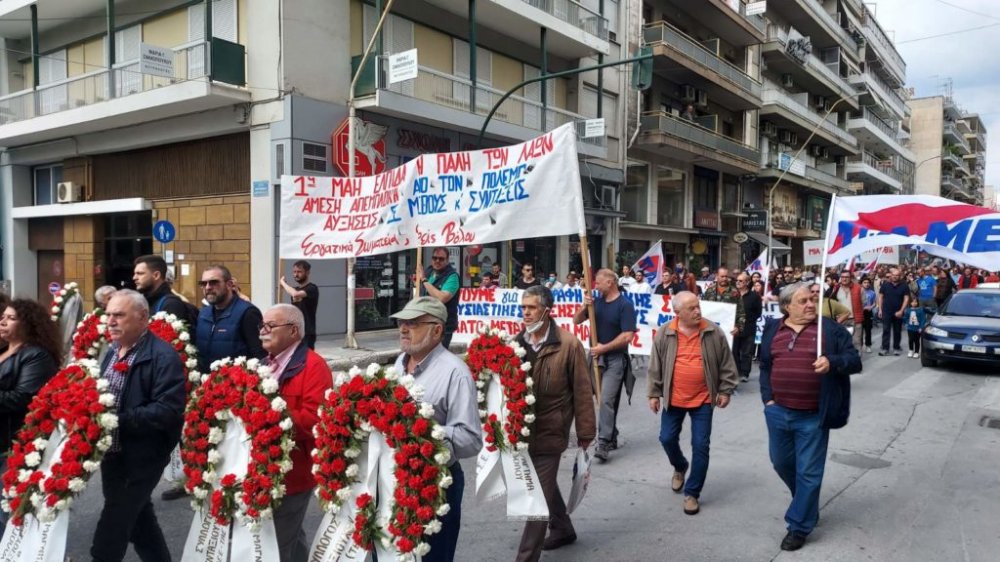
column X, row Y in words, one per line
column 303, row 379
column 849, row 295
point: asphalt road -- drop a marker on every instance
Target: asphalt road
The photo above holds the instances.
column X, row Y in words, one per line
column 915, row 476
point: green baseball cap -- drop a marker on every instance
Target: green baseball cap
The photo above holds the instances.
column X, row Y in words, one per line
column 421, row 306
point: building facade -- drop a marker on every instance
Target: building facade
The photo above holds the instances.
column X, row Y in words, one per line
column 949, row 146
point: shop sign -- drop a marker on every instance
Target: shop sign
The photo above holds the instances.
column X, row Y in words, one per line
column 369, row 147
column 706, row 219
column 421, row 142
column 156, row 61
column 755, row 220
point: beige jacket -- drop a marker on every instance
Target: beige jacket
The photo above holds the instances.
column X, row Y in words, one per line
column 719, row 365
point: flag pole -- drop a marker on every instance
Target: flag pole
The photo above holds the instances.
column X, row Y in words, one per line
column 420, row 269
column 589, row 279
column 826, row 248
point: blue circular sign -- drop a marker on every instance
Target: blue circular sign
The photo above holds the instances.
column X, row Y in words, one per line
column 164, row 232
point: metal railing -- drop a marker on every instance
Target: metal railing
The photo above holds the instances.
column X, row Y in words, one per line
column 756, row 20
column 190, row 62
column 951, row 129
column 452, row 91
column 779, row 97
column 780, row 35
column 820, row 14
column 878, row 37
column 876, row 163
column 575, row 14
column 663, row 32
column 688, row 131
column 811, row 172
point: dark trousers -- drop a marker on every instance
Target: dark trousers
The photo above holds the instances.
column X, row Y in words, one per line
column 743, row 352
column 559, row 523
column 128, row 513
column 443, row 543
column 310, row 341
column 913, row 337
column 797, row 447
column 292, row 545
column 894, row 326
column 671, row 420
column 866, row 329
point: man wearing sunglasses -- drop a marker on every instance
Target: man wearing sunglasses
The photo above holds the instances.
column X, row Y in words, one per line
column 441, row 281
column 805, row 395
column 227, row 327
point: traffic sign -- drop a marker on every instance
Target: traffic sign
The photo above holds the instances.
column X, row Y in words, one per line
column 164, row 232
column 54, row 287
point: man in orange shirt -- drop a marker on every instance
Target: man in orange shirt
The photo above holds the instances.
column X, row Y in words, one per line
column 692, row 367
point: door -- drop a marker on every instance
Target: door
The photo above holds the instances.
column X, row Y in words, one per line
column 50, row 272
column 126, row 237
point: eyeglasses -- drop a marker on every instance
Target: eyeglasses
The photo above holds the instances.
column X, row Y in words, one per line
column 210, row 282
column 410, row 324
column 266, row 327
column 439, row 258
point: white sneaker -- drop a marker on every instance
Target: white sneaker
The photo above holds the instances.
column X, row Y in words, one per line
column 868, row 349
column 909, row 354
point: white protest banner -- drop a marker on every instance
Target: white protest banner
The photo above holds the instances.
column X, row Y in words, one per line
column 448, row 199
column 770, row 310
column 888, row 255
column 957, row 231
column 501, row 309
column 812, row 252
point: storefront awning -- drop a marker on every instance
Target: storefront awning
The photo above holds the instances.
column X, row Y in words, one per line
column 776, row 246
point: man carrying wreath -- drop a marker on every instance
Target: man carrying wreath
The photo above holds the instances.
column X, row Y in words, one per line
column 146, row 377
column 563, row 393
column 449, row 388
column 303, row 379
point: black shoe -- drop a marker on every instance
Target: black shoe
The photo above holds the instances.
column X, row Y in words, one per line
column 601, row 452
column 883, row 352
column 173, row 494
column 896, row 352
column 554, row 543
column 793, row 541
column 613, row 445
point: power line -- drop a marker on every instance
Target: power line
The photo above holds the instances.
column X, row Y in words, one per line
column 964, row 9
column 948, row 34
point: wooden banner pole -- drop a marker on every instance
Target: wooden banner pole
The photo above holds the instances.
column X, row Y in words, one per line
column 419, row 268
column 589, row 280
column 281, row 273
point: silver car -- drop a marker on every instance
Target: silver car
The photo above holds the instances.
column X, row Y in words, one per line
column 966, row 328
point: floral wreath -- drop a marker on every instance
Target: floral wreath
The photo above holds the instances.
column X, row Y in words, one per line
column 77, row 400
column 245, row 390
column 496, row 353
column 91, row 336
column 175, row 332
column 380, row 400
column 59, row 301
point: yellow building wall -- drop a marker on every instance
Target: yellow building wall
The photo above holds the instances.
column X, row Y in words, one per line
column 168, row 30
column 434, row 48
column 241, row 22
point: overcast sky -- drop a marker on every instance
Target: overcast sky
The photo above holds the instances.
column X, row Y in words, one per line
column 969, row 57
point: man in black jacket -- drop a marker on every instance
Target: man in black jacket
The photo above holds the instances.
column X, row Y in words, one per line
column 744, row 342
column 805, row 394
column 146, row 377
column 150, row 278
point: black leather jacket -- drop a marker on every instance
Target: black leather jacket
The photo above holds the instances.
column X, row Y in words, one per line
column 22, row 375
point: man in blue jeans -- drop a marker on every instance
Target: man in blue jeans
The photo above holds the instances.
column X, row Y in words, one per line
column 692, row 368
column 805, row 394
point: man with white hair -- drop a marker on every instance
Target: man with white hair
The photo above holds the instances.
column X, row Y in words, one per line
column 303, row 379
column 146, row 378
column 102, row 295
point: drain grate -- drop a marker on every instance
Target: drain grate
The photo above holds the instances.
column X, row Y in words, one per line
column 990, row 422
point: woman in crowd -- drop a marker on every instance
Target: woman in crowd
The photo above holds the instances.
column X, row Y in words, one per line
column 944, row 288
column 30, row 355
column 692, row 284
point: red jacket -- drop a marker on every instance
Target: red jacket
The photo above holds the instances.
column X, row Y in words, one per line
column 973, row 282
column 303, row 385
column 857, row 308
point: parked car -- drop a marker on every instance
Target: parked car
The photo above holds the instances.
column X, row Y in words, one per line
column 965, row 328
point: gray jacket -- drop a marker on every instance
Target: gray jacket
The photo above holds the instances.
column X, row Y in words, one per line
column 719, row 366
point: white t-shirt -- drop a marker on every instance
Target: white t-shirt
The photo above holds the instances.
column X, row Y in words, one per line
column 640, row 287
column 626, row 281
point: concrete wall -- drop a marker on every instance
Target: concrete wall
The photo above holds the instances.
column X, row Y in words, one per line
column 926, row 130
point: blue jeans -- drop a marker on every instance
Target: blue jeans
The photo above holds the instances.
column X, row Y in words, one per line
column 671, row 420
column 797, row 445
column 444, row 542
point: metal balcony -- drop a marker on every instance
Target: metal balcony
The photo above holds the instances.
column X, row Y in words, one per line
column 689, row 141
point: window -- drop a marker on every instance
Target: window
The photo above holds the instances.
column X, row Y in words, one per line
column 224, row 26
column 670, row 197
column 397, row 37
column 706, row 189
column 609, row 109
column 128, row 80
column 484, row 75
column 52, row 68
column 634, row 198
column 46, row 179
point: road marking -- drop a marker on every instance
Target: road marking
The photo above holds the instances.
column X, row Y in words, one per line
column 916, row 385
column 988, row 397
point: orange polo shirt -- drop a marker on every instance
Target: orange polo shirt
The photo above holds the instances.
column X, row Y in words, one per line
column 688, row 388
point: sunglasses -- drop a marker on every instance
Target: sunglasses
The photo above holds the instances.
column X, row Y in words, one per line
column 439, row 258
column 210, row 282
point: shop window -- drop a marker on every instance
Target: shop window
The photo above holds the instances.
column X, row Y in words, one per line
column 670, row 197
column 635, row 196
column 46, row 178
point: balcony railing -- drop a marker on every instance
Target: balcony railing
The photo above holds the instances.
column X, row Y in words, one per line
column 779, row 97
column 877, row 36
column 756, row 21
column 454, row 92
column 689, row 131
column 880, row 89
column 575, row 14
column 882, row 166
column 951, row 130
column 663, row 32
column 190, row 63
column 779, row 34
column 953, row 183
column 820, row 13
column 812, row 173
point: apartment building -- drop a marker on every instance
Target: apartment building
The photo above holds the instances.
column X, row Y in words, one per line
column 697, row 139
column 884, row 164
column 469, row 55
column 949, row 146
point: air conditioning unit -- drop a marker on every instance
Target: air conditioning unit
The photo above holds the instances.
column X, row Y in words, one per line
column 607, row 196
column 825, row 152
column 770, row 129
column 818, row 101
column 816, row 150
column 69, row 192
column 785, row 137
column 787, row 81
column 802, row 223
column 701, row 98
column 688, row 93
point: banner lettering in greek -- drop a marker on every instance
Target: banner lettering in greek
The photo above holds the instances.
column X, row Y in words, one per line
column 35, row 541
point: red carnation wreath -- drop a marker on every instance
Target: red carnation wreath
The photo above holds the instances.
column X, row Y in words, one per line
column 76, row 402
column 245, row 390
column 60, row 298
column 176, row 332
column 380, row 400
column 91, row 336
column 494, row 352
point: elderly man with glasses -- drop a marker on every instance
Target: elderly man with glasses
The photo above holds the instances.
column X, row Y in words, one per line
column 743, row 343
column 303, row 379
column 806, row 393
column 441, row 281
column 227, row 326
column 449, row 388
